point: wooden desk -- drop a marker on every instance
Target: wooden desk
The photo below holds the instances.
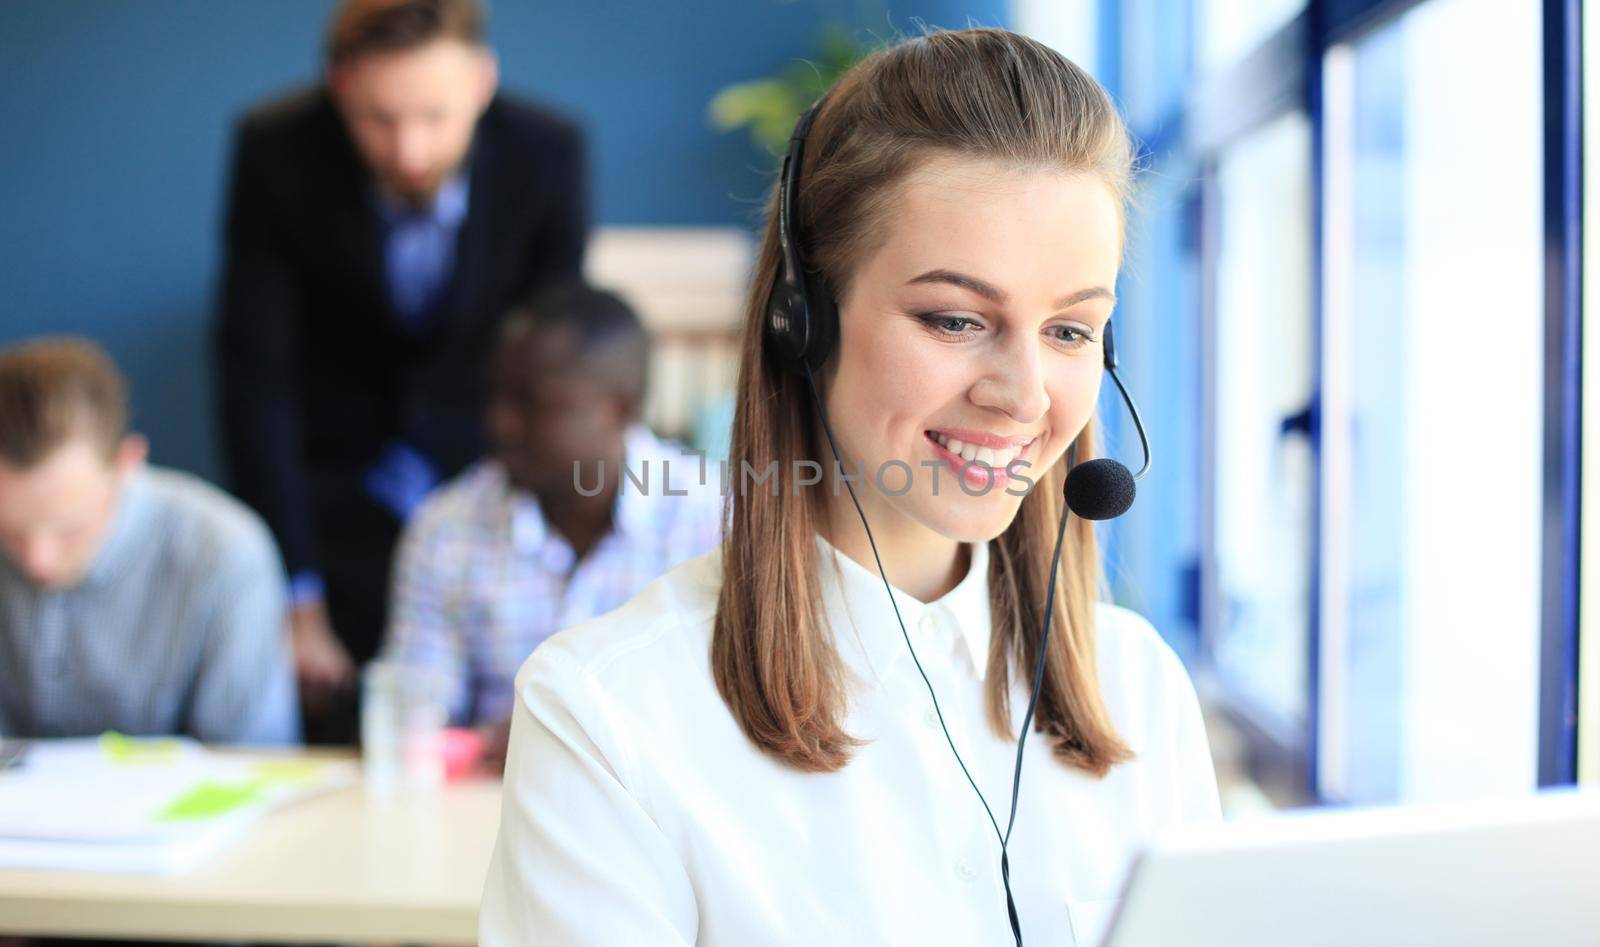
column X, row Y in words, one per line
column 339, row 867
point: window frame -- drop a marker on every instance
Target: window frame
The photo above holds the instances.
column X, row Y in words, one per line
column 1284, row 73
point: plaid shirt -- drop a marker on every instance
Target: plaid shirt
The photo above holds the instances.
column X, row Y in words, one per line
column 481, row 578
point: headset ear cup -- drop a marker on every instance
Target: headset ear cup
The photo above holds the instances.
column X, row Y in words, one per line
column 801, row 322
column 787, row 325
column 823, row 322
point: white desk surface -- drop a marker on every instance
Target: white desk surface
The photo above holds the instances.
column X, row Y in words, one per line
column 340, row 867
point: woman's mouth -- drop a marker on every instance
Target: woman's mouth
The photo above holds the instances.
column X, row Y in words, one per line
column 981, row 459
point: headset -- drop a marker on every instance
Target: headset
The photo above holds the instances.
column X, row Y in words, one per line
column 801, row 328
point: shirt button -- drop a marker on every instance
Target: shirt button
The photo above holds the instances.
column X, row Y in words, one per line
column 967, row 870
column 927, row 626
column 931, row 719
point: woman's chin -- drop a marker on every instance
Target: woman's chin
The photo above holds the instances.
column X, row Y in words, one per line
column 972, row 519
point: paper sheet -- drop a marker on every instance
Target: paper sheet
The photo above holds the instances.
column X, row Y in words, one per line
column 117, row 804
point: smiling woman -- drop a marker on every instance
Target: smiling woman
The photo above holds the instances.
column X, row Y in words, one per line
column 990, row 352
column 743, row 754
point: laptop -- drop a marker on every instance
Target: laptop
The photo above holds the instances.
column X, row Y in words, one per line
column 1521, row 872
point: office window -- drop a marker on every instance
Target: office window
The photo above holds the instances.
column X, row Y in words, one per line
column 1156, row 54
column 1589, row 543
column 1226, row 30
column 1157, row 544
column 1068, row 26
column 1263, row 492
column 1433, row 378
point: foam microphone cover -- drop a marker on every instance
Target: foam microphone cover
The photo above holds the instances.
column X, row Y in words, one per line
column 1099, row 489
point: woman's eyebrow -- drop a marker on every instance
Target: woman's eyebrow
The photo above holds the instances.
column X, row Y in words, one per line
column 995, row 294
column 988, row 291
column 1093, row 292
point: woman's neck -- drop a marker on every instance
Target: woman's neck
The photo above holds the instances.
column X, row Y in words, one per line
column 916, row 560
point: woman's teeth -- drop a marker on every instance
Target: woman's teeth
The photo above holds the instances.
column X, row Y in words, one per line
column 995, row 457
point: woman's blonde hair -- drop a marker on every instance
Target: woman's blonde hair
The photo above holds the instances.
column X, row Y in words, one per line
column 983, row 94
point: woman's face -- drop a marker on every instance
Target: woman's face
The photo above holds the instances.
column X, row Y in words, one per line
column 970, row 352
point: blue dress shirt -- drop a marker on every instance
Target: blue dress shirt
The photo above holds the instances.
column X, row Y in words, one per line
column 419, row 249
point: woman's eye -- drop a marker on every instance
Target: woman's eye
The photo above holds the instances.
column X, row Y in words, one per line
column 949, row 323
column 1070, row 337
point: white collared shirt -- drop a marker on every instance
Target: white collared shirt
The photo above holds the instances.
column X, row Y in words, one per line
column 637, row 812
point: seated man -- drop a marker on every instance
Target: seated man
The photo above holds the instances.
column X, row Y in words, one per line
column 131, row 598
column 547, row 531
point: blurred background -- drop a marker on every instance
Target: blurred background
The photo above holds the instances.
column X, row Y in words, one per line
column 1351, row 312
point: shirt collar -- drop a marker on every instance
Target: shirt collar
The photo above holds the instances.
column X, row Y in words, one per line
column 528, row 528
column 631, row 515
column 448, row 209
column 864, row 623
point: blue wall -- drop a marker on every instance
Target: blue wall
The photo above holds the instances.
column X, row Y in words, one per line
column 115, row 118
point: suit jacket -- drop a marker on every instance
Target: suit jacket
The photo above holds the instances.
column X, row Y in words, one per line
column 318, row 371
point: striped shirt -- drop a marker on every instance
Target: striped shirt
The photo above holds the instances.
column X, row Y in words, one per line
column 481, row 578
column 176, row 628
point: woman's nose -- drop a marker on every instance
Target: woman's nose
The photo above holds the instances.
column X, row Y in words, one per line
column 1013, row 382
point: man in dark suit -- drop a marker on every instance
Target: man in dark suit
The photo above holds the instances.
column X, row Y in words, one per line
column 377, row 227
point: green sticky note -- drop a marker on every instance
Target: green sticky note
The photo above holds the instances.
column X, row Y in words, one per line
column 208, row 799
column 121, row 749
column 287, row 772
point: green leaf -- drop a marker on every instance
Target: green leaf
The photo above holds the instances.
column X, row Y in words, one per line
column 767, row 108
